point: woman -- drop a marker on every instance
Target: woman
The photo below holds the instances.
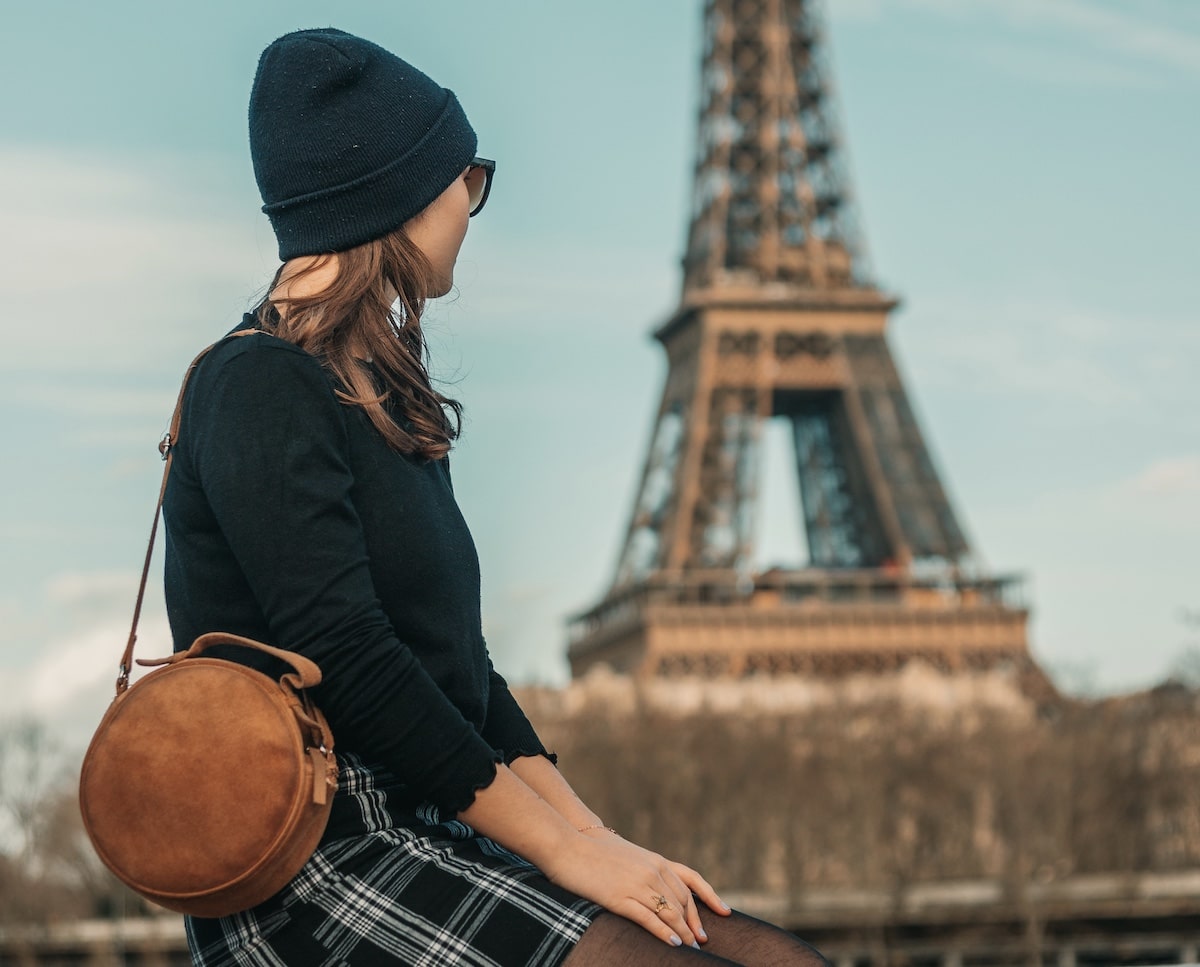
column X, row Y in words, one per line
column 310, row 505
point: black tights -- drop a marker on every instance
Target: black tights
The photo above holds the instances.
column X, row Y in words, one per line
column 735, row 939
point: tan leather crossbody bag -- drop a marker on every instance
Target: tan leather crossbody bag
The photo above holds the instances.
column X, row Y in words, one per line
column 207, row 784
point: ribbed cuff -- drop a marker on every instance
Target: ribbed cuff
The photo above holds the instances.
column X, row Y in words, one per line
column 511, row 754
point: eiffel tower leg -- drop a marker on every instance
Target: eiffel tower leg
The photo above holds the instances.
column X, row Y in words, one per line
column 722, row 521
column 640, row 552
column 878, row 485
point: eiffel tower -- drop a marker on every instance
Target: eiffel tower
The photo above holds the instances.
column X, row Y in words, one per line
column 779, row 319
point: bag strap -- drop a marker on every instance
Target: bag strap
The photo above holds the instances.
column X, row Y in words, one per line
column 165, row 446
column 304, row 674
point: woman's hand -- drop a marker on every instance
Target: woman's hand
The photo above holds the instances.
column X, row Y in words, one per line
column 652, row 891
column 595, row 863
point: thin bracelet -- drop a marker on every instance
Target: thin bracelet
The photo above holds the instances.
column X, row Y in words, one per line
column 584, row 829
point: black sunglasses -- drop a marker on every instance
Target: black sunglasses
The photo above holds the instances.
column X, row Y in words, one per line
column 479, row 183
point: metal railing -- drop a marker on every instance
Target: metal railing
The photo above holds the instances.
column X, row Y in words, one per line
column 800, row 587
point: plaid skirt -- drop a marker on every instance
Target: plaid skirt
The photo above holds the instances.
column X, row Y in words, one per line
column 393, row 882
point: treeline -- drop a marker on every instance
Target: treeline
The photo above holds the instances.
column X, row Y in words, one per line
column 871, row 794
column 48, row 870
column 882, row 794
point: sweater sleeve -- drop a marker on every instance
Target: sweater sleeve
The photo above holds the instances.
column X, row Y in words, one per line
column 507, row 729
column 268, row 442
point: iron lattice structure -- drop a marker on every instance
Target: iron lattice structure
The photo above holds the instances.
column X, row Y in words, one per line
column 779, row 318
column 771, row 197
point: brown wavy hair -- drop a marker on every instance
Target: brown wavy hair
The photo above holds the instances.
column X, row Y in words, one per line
column 376, row 352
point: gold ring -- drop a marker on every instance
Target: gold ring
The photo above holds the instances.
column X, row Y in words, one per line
column 661, row 903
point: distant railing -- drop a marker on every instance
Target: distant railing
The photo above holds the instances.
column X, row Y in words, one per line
column 1101, row 920
column 142, row 941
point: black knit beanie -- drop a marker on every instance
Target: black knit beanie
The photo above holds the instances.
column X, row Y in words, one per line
column 348, row 141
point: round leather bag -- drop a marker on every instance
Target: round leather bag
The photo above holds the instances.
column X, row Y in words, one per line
column 208, row 784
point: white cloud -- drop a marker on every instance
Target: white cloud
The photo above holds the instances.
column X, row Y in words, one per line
column 1144, row 36
column 67, row 667
column 113, row 273
column 855, row 10
column 1052, row 65
column 80, row 586
column 1152, row 511
column 60, row 644
column 1121, row 32
column 1052, row 351
column 112, row 253
column 1111, row 564
column 1002, row 358
column 111, row 403
column 81, row 664
column 1169, row 478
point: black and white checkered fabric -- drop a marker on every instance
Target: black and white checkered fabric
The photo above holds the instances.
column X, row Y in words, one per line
column 406, row 887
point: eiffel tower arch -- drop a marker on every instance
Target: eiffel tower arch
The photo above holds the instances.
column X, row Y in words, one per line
column 779, row 319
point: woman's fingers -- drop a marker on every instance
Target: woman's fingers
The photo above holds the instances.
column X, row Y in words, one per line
column 677, row 886
column 645, row 917
column 687, row 903
column 700, row 886
column 675, row 917
column 693, row 917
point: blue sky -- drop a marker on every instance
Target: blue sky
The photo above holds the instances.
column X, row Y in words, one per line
column 1024, row 171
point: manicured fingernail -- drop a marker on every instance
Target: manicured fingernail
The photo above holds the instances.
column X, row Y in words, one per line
column 703, row 935
column 676, row 941
column 725, row 906
column 696, row 945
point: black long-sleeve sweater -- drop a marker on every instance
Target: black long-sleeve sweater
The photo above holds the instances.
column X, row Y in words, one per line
column 290, row 520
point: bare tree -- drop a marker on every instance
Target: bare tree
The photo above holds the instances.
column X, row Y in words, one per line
column 48, row 869
column 882, row 795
